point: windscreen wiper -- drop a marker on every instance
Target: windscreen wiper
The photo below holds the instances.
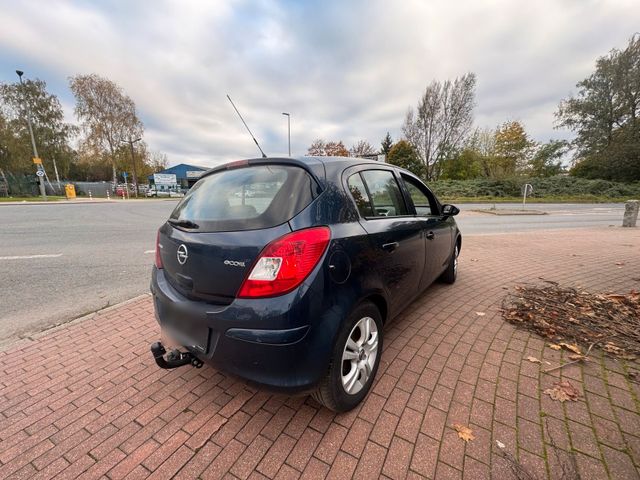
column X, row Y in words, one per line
column 183, row 223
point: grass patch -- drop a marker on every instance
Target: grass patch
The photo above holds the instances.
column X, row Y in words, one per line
column 51, row 198
column 548, row 199
column 545, row 190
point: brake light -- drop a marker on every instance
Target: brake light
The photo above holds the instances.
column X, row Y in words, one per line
column 158, row 257
column 285, row 263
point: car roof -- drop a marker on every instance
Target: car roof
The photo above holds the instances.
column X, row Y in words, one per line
column 346, row 161
column 323, row 169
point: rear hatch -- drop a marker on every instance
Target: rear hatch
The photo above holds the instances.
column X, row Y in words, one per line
column 219, row 228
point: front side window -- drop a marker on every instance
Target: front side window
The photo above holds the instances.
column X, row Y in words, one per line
column 384, row 192
column 424, row 203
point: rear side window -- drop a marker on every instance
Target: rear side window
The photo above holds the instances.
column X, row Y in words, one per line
column 249, row 198
column 384, row 193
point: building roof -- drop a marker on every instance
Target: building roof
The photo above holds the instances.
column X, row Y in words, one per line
column 181, row 170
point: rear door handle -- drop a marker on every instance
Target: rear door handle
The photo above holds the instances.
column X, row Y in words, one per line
column 430, row 235
column 390, row 247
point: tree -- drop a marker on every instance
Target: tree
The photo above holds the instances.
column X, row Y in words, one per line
column 336, row 149
column 465, row 165
column 605, row 116
column 513, row 147
column 361, row 148
column 404, row 155
column 317, row 148
column 483, row 143
column 107, row 115
column 158, row 161
column 52, row 134
column 441, row 121
column 547, row 160
column 386, row 144
column 619, row 161
column 320, row 148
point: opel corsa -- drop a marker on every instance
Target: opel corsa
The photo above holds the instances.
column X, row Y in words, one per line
column 284, row 271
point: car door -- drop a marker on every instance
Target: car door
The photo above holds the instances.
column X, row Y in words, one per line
column 398, row 252
column 438, row 235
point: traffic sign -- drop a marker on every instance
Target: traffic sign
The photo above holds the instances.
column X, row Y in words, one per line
column 40, row 173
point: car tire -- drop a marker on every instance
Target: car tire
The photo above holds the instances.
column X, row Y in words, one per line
column 451, row 273
column 354, row 358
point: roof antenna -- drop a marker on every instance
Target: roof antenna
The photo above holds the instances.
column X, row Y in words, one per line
column 246, row 126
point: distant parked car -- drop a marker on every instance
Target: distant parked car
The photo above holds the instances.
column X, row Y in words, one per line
column 156, row 192
column 291, row 289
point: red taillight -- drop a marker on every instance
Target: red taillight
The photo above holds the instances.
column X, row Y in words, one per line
column 285, row 263
column 158, row 257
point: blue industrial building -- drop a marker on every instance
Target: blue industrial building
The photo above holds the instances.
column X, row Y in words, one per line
column 186, row 175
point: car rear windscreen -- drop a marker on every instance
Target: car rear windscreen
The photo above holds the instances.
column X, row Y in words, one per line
column 249, row 198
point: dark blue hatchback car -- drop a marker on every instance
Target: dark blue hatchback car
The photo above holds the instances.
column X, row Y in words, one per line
column 284, row 270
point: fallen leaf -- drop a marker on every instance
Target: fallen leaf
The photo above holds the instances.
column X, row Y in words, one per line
column 553, row 346
column 500, row 444
column 480, row 314
column 563, row 391
column 573, row 348
column 616, row 296
column 577, row 356
column 611, row 348
column 465, row 433
column 533, row 360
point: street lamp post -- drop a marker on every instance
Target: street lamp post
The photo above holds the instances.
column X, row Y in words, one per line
column 43, row 192
column 133, row 162
column 289, row 129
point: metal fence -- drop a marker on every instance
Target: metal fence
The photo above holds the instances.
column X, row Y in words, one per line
column 23, row 185
column 97, row 189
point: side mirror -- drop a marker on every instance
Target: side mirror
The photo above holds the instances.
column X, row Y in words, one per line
column 450, row 210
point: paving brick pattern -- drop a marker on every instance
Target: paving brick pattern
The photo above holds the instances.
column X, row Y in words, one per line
column 87, row 399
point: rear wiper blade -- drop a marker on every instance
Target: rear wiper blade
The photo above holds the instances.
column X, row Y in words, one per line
column 183, row 223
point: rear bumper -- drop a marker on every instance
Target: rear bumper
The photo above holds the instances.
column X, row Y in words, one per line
column 283, row 342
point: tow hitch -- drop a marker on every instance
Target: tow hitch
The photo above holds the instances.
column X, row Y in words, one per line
column 175, row 358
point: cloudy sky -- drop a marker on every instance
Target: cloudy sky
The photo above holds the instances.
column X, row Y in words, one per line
column 345, row 70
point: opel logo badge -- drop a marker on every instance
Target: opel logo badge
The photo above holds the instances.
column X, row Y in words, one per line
column 182, row 254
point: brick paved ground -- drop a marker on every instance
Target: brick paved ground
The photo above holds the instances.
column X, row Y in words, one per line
column 88, row 400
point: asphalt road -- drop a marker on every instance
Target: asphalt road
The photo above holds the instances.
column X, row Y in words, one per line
column 97, row 255
column 559, row 216
column 58, row 262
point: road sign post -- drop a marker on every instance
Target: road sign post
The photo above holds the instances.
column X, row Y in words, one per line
column 126, row 186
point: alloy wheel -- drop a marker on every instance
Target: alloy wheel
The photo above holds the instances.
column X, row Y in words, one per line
column 359, row 355
column 455, row 261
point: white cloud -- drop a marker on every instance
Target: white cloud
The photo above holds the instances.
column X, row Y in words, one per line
column 345, row 70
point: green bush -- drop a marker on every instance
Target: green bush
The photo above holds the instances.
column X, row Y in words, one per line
column 559, row 186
